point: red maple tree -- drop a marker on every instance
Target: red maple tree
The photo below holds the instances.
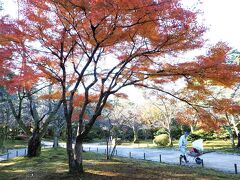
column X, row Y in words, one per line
column 97, row 47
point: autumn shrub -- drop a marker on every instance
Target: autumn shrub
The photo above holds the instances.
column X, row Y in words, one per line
column 161, row 140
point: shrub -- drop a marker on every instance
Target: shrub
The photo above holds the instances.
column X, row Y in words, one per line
column 161, row 140
column 160, row 131
column 222, row 134
column 95, row 133
column 146, row 134
column 201, row 134
column 21, row 137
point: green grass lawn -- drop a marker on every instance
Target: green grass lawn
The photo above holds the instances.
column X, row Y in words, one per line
column 52, row 164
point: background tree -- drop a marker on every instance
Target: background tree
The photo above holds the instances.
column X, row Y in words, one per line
column 57, row 125
column 127, row 113
column 161, row 113
column 39, row 118
column 5, row 118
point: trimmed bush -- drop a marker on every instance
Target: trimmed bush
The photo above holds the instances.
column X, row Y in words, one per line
column 161, row 140
column 160, row 131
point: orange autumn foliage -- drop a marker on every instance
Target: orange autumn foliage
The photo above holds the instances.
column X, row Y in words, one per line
column 202, row 119
column 225, row 106
column 97, row 47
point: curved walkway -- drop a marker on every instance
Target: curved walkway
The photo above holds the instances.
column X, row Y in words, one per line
column 219, row 161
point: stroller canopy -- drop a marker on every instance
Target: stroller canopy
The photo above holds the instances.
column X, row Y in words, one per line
column 198, row 144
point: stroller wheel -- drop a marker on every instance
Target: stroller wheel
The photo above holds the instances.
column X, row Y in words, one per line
column 198, row 160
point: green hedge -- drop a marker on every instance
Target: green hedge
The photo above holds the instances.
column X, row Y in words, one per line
column 161, row 140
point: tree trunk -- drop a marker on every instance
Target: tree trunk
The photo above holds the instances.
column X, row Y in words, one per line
column 170, row 140
column 74, row 156
column 79, row 156
column 233, row 120
column 107, row 151
column 232, row 140
column 113, row 151
column 70, row 153
column 192, row 129
column 238, row 138
column 229, row 129
column 56, row 137
column 107, row 136
column 135, row 134
column 231, row 136
column 2, row 138
column 34, row 144
column 55, row 142
column 71, row 162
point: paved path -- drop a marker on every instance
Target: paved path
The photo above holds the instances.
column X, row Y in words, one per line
column 218, row 161
column 12, row 153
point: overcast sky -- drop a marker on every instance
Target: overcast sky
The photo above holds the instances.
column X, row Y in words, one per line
column 222, row 16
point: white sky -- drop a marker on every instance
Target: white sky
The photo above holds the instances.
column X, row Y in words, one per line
column 221, row 17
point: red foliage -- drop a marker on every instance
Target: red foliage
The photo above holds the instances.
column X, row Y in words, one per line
column 74, row 39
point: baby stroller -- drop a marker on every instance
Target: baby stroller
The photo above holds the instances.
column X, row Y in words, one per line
column 196, row 151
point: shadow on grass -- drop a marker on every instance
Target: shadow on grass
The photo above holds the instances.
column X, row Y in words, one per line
column 52, row 164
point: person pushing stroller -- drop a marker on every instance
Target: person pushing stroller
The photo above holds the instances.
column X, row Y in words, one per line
column 183, row 146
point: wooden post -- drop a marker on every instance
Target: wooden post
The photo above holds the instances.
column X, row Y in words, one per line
column 116, row 152
column 160, row 158
column 17, row 153
column 202, row 163
column 89, row 149
column 235, row 166
column 7, row 155
column 144, row 156
column 180, row 160
column 25, row 152
column 130, row 155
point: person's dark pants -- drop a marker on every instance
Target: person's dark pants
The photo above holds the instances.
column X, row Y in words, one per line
column 184, row 157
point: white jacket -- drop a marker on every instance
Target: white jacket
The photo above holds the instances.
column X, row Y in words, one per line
column 183, row 141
